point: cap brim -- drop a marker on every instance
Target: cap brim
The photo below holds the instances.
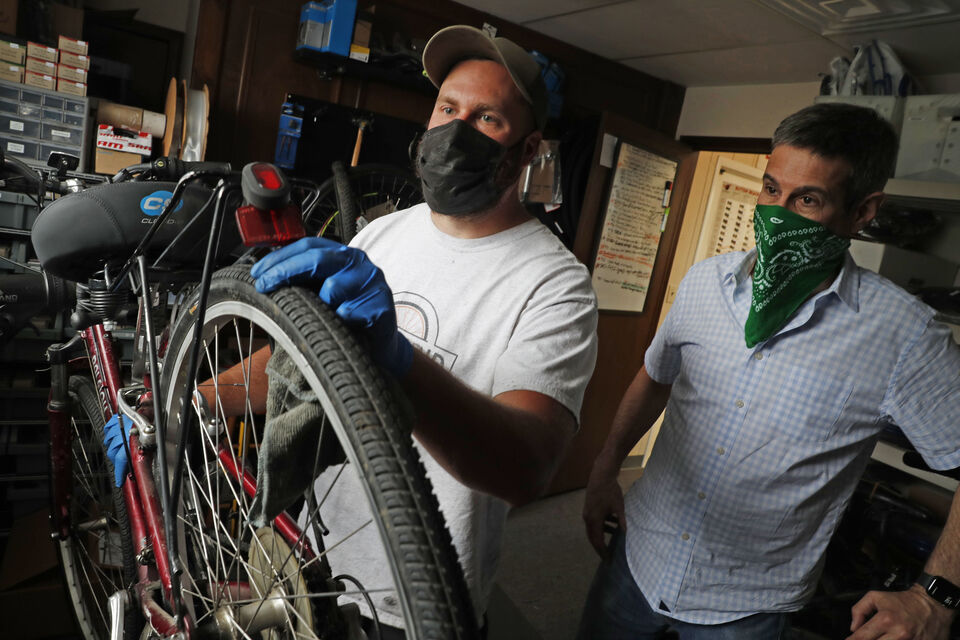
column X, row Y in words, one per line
column 450, row 45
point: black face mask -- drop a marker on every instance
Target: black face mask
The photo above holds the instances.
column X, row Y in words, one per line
column 459, row 169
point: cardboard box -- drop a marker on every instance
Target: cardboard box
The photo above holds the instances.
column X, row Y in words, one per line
column 11, row 72
column 110, row 162
column 8, row 16
column 79, row 47
column 75, row 60
column 39, row 80
column 139, row 142
column 71, row 73
column 359, row 53
column 41, row 51
column 72, row 87
column 361, row 33
column 12, row 52
column 37, row 610
column 65, row 20
column 44, row 67
column 33, row 601
column 29, row 550
column 327, row 25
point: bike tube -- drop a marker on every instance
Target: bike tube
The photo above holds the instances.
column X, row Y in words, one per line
column 103, row 362
column 156, row 617
column 58, row 415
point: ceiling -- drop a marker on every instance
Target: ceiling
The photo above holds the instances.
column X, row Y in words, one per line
column 725, row 42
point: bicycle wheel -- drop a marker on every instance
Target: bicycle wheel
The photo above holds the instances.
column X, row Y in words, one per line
column 253, row 578
column 97, row 557
column 378, row 189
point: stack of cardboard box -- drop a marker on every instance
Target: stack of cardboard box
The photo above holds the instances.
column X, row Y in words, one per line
column 74, row 66
column 62, row 69
column 12, row 55
column 41, row 71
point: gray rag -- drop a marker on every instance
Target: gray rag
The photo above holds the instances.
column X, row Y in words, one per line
column 288, row 451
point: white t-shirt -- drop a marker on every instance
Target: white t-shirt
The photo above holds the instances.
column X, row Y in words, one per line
column 511, row 311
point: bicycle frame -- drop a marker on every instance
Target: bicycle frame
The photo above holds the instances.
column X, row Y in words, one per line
column 151, row 512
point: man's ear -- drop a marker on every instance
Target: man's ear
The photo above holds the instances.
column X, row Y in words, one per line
column 867, row 210
column 531, row 144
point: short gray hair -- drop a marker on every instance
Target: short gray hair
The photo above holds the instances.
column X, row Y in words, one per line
column 857, row 135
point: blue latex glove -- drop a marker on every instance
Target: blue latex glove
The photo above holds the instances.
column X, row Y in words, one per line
column 113, row 438
column 353, row 286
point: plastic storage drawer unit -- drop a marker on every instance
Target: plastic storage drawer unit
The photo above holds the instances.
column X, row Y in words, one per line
column 35, row 121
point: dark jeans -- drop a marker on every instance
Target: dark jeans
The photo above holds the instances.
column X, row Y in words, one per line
column 617, row 610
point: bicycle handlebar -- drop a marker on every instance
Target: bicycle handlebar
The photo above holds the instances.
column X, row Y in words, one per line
column 25, row 295
column 170, row 169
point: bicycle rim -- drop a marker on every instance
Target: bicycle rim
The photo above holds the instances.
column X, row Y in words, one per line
column 252, row 578
column 377, row 189
column 97, row 557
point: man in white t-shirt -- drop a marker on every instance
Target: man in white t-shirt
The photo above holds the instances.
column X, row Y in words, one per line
column 502, row 317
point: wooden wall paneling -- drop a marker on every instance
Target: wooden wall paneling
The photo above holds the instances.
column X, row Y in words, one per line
column 208, row 56
column 732, row 145
column 245, row 54
column 623, row 337
column 593, row 84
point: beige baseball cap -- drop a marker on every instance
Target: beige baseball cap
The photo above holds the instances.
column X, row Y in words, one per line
column 450, row 45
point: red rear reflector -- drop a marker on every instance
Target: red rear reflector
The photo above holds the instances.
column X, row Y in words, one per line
column 272, row 228
column 267, row 176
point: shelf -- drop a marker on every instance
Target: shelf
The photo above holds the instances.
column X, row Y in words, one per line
column 923, row 189
column 386, row 71
column 892, row 455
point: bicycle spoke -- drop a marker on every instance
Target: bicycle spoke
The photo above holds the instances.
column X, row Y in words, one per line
column 89, row 582
column 273, row 583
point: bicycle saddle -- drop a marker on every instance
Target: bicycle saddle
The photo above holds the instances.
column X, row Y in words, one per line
column 77, row 234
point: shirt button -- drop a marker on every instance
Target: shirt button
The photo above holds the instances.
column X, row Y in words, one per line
column 758, row 356
column 739, row 404
column 721, row 450
column 701, row 495
column 685, row 536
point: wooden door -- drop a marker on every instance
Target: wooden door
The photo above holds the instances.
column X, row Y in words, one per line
column 623, row 337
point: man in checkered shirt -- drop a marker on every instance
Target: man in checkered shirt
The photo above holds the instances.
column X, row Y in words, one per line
column 777, row 368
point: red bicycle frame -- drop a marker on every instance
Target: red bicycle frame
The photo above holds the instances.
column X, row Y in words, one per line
column 140, row 492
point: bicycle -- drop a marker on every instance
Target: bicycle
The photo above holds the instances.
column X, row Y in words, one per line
column 176, row 547
column 882, row 543
column 355, row 196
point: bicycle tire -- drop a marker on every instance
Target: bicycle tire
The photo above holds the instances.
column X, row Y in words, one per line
column 89, row 555
column 347, row 203
column 372, row 433
column 377, row 189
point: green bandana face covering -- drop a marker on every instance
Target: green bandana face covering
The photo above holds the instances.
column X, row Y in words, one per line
column 794, row 255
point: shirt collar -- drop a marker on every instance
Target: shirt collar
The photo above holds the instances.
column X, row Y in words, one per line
column 846, row 286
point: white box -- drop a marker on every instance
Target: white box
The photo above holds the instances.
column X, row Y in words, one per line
column 890, row 107
column 125, row 141
column 930, row 138
column 908, row 269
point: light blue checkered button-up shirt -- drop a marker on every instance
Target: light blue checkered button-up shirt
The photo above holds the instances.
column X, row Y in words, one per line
column 761, row 448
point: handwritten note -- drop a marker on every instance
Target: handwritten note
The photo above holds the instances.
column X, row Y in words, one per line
column 631, row 228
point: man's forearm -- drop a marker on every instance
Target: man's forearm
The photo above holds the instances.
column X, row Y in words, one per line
column 507, row 446
column 945, row 559
column 641, row 405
